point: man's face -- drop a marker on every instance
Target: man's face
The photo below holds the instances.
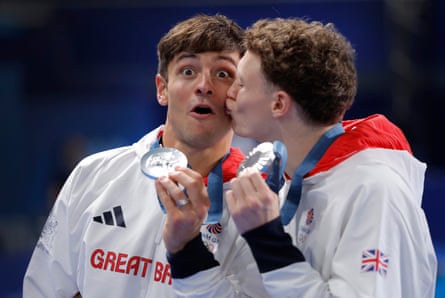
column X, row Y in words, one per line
column 250, row 100
column 195, row 93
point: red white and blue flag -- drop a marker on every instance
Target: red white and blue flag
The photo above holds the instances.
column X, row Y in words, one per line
column 374, row 260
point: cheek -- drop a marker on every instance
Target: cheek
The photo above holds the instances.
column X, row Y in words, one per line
column 248, row 105
column 176, row 86
column 249, row 116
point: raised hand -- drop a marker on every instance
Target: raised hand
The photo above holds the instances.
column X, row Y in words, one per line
column 251, row 202
column 186, row 202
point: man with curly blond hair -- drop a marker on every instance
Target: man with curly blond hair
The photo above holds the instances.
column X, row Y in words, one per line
column 348, row 220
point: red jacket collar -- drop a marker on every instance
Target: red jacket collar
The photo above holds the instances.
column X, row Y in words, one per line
column 374, row 131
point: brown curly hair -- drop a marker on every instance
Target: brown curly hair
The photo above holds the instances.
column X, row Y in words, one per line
column 312, row 62
column 201, row 33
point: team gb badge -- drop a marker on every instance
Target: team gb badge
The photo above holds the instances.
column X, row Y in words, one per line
column 305, row 226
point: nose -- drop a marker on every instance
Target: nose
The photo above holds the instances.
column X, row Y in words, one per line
column 205, row 86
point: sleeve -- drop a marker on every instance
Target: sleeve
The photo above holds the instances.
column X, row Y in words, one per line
column 382, row 248
column 194, row 257
column 272, row 246
column 51, row 271
column 282, row 265
column 202, row 276
column 232, row 272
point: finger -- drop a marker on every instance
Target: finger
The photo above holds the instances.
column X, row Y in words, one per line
column 182, row 202
column 189, row 172
column 163, row 195
column 192, row 182
column 263, row 191
column 237, row 191
column 233, row 204
column 230, row 200
column 247, row 186
column 170, row 194
column 258, row 183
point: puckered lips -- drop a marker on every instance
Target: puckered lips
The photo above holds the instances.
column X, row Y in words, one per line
column 228, row 111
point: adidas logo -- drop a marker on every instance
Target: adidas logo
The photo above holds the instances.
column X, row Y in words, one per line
column 115, row 217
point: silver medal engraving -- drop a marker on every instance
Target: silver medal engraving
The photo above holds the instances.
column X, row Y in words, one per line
column 259, row 158
column 161, row 161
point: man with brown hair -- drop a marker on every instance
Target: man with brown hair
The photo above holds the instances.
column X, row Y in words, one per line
column 103, row 237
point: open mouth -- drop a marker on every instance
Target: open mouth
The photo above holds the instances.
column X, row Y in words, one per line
column 203, row 110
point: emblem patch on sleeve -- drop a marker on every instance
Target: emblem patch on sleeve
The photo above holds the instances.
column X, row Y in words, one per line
column 374, row 260
column 46, row 239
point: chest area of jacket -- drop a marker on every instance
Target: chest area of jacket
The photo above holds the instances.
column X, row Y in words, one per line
column 122, row 233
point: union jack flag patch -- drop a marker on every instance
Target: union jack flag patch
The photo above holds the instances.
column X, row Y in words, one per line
column 374, row 260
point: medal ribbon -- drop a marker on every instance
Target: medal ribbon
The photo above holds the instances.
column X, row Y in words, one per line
column 275, row 179
column 290, row 206
column 214, row 189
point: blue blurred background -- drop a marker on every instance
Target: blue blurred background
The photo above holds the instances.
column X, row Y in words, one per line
column 77, row 77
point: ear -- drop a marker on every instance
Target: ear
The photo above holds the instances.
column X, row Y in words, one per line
column 281, row 104
column 161, row 90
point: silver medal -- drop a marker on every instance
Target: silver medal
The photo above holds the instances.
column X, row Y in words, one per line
column 161, row 161
column 259, row 158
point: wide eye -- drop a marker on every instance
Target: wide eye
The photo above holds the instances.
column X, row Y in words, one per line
column 223, row 74
column 187, row 71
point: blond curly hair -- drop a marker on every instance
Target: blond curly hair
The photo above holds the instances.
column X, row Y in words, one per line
column 311, row 61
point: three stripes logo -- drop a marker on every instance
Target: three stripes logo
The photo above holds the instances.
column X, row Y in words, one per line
column 114, row 217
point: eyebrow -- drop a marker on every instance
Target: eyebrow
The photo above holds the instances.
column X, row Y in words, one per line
column 227, row 58
column 184, row 56
column 194, row 55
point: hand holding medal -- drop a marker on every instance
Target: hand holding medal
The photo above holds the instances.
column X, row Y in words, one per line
column 251, row 200
column 161, row 162
column 181, row 194
column 269, row 158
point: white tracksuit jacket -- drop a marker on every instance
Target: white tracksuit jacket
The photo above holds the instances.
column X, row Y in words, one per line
column 359, row 224
column 103, row 237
